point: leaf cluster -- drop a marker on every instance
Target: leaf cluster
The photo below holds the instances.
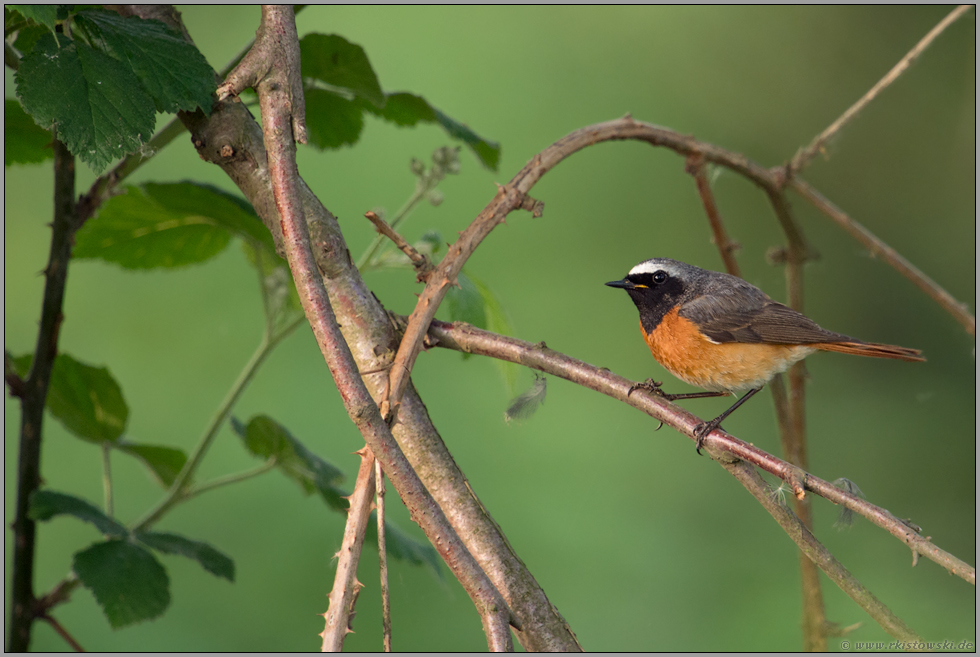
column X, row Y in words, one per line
column 99, row 78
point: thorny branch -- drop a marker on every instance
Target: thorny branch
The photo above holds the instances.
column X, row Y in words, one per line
column 33, row 394
column 340, row 613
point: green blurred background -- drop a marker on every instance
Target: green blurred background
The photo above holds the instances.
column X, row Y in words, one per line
column 640, row 544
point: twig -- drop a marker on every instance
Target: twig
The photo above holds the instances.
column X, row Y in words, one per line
column 62, row 632
column 879, row 249
column 107, row 477
column 278, row 27
column 35, row 393
column 727, row 248
column 340, row 613
column 815, row 553
column 468, row 339
column 379, row 480
column 803, row 157
column 227, row 480
column 423, row 266
column 794, row 440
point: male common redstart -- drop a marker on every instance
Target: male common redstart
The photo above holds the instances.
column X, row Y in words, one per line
column 717, row 332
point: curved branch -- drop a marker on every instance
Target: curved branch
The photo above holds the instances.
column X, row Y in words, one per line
column 513, row 196
column 466, row 338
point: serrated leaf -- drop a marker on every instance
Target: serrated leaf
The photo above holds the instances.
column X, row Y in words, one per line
column 336, row 61
column 331, row 121
column 210, row 559
column 46, row 15
column 167, row 225
column 164, row 462
column 28, row 36
column 87, row 400
column 407, row 109
column 97, row 103
column 172, row 71
column 46, row 504
column 402, row 546
column 266, row 438
column 126, row 579
column 23, row 141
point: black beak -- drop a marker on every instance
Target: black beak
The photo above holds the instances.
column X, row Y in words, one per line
column 626, row 284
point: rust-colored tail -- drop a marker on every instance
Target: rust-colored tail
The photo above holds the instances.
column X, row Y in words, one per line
column 871, row 349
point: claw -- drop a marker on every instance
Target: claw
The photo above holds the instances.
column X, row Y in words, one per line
column 649, row 385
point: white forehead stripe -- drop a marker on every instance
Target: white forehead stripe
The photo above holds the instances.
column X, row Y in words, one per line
column 651, row 266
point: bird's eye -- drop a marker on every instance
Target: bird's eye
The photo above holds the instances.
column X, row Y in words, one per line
column 659, row 277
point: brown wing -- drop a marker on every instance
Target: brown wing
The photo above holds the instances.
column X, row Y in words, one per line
column 737, row 311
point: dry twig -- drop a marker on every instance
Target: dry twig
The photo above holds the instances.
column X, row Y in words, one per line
column 805, row 155
column 423, row 266
column 340, row 613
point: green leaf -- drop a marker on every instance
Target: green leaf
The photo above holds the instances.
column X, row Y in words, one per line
column 98, row 105
column 475, row 303
column 402, row 546
column 87, row 400
column 172, row 70
column 338, row 62
column 127, row 580
column 498, row 322
column 167, row 225
column 164, row 462
column 23, row 141
column 28, row 36
column 210, row 559
column 405, row 109
column 332, row 121
column 46, row 15
column 21, row 364
column 46, row 504
column 465, row 303
column 266, row 438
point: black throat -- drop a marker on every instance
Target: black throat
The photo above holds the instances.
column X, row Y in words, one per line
column 656, row 301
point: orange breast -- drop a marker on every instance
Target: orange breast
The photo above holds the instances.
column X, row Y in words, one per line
column 679, row 346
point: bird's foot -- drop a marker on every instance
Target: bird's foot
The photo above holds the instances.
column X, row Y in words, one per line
column 702, row 430
column 650, row 386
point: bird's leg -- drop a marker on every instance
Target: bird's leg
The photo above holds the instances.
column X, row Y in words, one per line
column 653, row 387
column 702, row 430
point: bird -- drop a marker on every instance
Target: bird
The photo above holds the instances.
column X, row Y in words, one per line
column 720, row 333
